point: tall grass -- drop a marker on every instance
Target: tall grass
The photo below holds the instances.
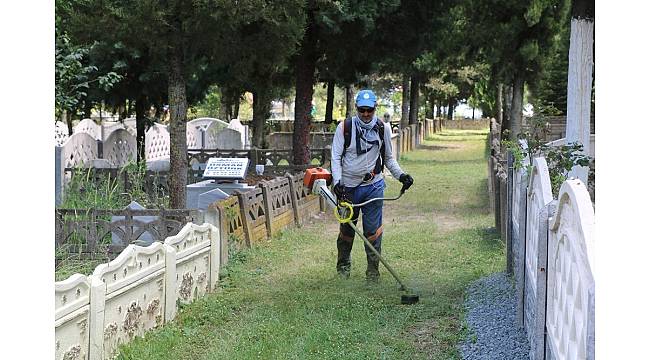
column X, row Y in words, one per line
column 84, row 192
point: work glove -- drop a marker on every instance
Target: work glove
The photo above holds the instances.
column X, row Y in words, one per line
column 406, row 180
column 339, row 191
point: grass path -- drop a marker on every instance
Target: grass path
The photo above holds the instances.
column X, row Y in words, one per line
column 283, row 299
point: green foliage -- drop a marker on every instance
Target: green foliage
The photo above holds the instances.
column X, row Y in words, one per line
column 210, row 106
column 85, row 191
column 560, row 159
column 74, row 76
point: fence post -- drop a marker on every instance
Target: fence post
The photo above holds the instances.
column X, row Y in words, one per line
column 497, row 196
column 509, row 237
column 268, row 208
column 224, row 227
column 96, row 318
column 59, row 175
column 100, row 149
column 294, row 200
column 520, row 254
column 170, row 283
column 92, row 239
column 243, row 206
column 538, row 345
column 503, row 199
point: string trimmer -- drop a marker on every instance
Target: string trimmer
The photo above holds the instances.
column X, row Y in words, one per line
column 317, row 179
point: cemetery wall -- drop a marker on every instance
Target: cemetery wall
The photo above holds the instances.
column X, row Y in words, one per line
column 284, row 140
column 466, row 124
column 550, row 246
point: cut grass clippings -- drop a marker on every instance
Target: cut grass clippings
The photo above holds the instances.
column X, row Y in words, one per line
column 284, row 300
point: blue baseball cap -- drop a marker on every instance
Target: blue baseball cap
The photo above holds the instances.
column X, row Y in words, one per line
column 366, row 98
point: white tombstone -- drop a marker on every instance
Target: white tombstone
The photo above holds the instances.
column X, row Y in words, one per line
column 88, row 126
column 80, row 149
column 108, row 127
column 196, row 131
column 229, row 139
column 156, row 142
column 211, row 132
column 235, row 124
column 120, row 148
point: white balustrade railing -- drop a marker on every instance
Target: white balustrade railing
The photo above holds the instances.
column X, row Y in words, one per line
column 135, row 292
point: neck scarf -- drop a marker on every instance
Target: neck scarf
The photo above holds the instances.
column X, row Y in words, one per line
column 367, row 136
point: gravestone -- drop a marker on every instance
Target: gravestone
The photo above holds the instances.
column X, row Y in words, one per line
column 146, row 238
column 208, row 197
column 220, row 173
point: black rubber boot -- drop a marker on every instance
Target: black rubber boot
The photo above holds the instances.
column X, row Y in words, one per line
column 372, row 271
column 344, row 261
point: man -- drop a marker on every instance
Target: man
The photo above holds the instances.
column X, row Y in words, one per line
column 360, row 150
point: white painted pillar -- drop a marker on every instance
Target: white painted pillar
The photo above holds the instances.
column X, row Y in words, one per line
column 581, row 62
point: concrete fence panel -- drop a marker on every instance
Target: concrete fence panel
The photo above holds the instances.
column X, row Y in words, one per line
column 278, row 196
column 157, row 144
column 538, row 198
column 571, row 285
column 71, row 317
column 131, row 295
column 80, row 149
column 134, row 293
column 120, row 148
column 107, row 128
column 89, row 127
column 197, row 261
column 253, row 214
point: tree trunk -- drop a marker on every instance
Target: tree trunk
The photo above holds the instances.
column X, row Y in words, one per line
column 450, row 109
column 349, row 101
column 235, row 110
column 404, row 121
column 305, row 68
column 432, row 106
column 261, row 111
column 329, row 106
column 414, row 105
column 226, row 106
column 88, row 109
column 439, row 109
column 517, row 105
column 579, row 85
column 499, row 104
column 507, row 105
column 177, row 126
column 68, row 120
column 140, row 109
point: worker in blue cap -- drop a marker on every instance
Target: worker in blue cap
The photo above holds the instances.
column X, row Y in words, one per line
column 361, row 148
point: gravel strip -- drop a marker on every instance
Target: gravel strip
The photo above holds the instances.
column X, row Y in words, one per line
column 491, row 311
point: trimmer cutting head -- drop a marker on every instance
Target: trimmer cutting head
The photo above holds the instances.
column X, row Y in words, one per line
column 410, row 299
